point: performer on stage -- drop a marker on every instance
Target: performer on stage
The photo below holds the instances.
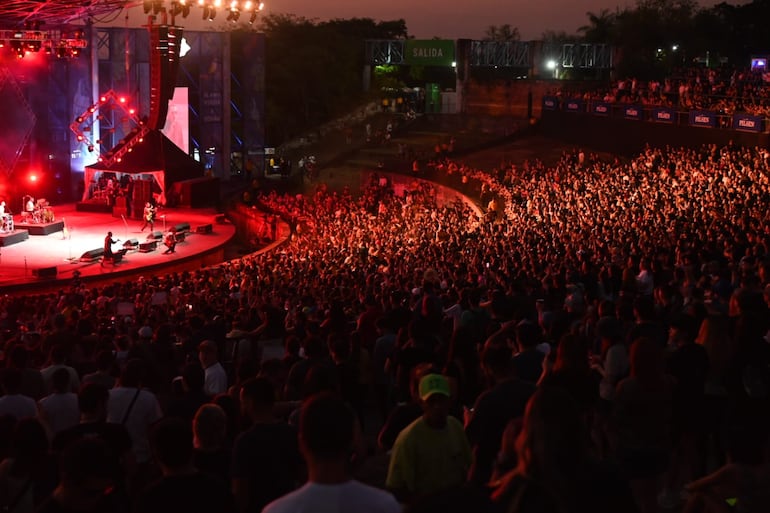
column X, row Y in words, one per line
column 149, row 216
column 169, row 240
column 108, row 242
column 30, row 205
column 2, row 209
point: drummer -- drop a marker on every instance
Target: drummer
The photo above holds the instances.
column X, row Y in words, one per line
column 30, row 206
column 2, row 209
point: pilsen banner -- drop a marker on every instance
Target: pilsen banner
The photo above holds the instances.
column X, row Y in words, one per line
column 574, row 106
column 550, row 102
column 632, row 112
column 602, row 109
column 703, row 118
column 747, row 123
column 429, row 52
column 663, row 115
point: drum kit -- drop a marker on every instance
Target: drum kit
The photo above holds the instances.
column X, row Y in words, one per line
column 7, row 223
column 35, row 212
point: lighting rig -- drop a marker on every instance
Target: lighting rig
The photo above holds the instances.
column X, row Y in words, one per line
column 51, row 42
column 83, row 124
column 209, row 8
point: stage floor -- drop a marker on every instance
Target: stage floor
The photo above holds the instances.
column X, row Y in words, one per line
column 27, row 265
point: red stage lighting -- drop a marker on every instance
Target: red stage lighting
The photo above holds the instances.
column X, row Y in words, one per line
column 103, row 99
column 122, row 99
column 33, row 177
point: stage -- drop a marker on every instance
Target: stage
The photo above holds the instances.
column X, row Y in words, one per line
column 35, row 258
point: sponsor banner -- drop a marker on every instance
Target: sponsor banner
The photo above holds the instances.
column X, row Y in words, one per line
column 632, row 112
column 574, row 106
column 703, row 118
column 663, row 115
column 602, row 109
column 747, row 123
column 550, row 102
column 429, row 52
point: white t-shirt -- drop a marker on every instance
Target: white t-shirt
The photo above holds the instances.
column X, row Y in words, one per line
column 60, row 411
column 216, row 380
column 144, row 413
column 349, row 497
column 47, row 374
column 18, row 406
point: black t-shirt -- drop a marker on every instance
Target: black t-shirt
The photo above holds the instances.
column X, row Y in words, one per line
column 267, row 455
column 215, row 463
column 492, row 412
column 191, row 493
column 114, row 435
column 596, row 486
column 528, row 365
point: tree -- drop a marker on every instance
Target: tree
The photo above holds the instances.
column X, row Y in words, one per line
column 601, row 27
column 501, row 33
column 313, row 69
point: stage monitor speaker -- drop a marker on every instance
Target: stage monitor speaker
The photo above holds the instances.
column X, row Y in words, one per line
column 156, row 235
column 204, row 228
column 131, row 243
column 146, row 247
column 180, row 237
column 221, row 219
column 182, row 227
column 45, row 272
column 90, row 256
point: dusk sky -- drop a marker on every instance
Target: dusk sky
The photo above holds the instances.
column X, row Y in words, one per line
column 452, row 19
column 425, row 19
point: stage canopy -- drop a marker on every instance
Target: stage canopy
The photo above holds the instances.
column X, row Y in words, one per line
column 156, row 156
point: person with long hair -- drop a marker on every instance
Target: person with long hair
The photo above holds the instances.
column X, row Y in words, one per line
column 555, row 471
column 642, row 414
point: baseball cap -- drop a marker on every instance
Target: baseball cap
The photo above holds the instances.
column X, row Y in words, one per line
column 433, row 384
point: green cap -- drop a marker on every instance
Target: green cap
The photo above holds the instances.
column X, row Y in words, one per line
column 433, row 384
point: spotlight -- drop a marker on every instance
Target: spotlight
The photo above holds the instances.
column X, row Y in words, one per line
column 147, row 6
column 253, row 17
column 233, row 16
column 205, row 15
column 90, row 148
column 79, row 119
column 212, row 13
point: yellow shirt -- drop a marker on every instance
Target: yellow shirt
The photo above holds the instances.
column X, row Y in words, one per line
column 426, row 460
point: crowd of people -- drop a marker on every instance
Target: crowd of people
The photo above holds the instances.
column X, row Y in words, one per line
column 724, row 90
column 598, row 345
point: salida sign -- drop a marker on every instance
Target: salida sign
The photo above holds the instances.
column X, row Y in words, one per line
column 430, row 52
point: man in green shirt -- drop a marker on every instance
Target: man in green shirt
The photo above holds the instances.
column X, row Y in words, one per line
column 432, row 453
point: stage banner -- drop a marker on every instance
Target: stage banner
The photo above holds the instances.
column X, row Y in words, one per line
column 632, row 112
column 601, row 109
column 574, row 106
column 747, row 123
column 550, row 102
column 703, row 118
column 663, row 115
column 429, row 52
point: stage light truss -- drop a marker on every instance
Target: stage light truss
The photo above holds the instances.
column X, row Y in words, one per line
column 52, row 42
column 83, row 125
column 57, row 13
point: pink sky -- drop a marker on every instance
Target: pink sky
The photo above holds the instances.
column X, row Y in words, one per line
column 453, row 19
column 425, row 19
